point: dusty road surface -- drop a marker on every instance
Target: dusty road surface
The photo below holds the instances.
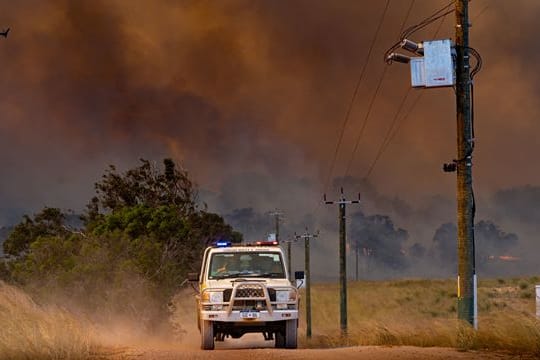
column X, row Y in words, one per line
column 253, row 347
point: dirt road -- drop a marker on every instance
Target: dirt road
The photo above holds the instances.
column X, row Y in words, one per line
column 253, row 347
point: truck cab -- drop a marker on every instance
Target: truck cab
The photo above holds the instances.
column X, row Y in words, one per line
column 246, row 289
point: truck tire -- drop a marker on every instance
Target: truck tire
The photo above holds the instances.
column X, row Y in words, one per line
column 280, row 340
column 291, row 327
column 207, row 335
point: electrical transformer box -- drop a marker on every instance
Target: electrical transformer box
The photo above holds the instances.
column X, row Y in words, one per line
column 436, row 67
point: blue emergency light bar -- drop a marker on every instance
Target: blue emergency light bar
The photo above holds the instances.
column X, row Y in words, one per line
column 223, row 243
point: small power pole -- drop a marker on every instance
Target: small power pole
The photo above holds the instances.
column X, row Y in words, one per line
column 465, row 200
column 342, row 202
column 307, row 236
column 277, row 216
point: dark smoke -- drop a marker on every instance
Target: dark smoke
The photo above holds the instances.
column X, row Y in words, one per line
column 495, row 249
column 378, row 241
column 250, row 223
column 250, row 97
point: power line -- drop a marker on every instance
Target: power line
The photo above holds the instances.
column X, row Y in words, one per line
column 430, row 19
column 355, row 92
column 441, row 13
column 349, row 108
column 481, row 12
column 368, row 113
column 406, row 116
column 406, row 16
column 373, row 98
column 390, row 134
column 354, row 95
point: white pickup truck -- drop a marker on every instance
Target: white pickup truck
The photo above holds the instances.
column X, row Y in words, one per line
column 246, row 289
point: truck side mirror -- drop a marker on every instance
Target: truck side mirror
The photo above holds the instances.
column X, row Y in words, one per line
column 193, row 276
column 298, row 275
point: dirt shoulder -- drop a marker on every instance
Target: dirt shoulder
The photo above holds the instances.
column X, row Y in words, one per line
column 363, row 352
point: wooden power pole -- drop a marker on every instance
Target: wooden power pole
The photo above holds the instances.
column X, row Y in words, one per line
column 436, row 66
column 307, row 236
column 342, row 202
column 465, row 198
column 277, row 216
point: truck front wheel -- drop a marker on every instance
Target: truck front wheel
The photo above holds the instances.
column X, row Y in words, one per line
column 207, row 335
column 291, row 327
column 280, row 340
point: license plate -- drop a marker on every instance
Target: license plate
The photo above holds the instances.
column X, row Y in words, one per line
column 249, row 314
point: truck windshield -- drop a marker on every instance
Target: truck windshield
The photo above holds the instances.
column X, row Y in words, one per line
column 246, row 264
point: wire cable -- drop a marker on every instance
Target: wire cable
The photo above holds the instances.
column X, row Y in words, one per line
column 349, row 108
column 474, row 71
column 388, row 133
column 374, row 97
column 472, row 140
column 391, row 133
column 353, row 98
column 364, row 123
column 481, row 12
column 441, row 13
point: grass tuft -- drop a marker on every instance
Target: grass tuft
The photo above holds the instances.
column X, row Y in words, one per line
column 31, row 331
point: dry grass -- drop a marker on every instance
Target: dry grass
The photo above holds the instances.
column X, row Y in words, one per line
column 31, row 331
column 423, row 313
column 406, row 312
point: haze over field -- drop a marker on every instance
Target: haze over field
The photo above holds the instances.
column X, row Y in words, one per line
column 250, row 97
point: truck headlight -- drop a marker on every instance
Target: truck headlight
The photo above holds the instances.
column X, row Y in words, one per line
column 284, row 296
column 216, row 296
column 213, row 297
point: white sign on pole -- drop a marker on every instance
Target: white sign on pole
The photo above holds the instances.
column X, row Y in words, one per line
column 538, row 301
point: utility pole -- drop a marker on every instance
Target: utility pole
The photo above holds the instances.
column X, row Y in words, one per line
column 356, row 255
column 441, row 66
column 277, row 215
column 467, row 306
column 307, row 236
column 342, row 202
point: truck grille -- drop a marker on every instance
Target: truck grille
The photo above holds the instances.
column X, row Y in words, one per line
column 249, row 305
column 228, row 292
column 250, row 291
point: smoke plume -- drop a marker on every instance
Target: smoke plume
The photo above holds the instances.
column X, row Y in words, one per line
column 250, row 98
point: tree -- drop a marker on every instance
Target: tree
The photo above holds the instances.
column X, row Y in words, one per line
column 377, row 234
column 445, row 244
column 144, row 185
column 417, row 250
column 142, row 229
column 156, row 209
column 490, row 242
column 48, row 222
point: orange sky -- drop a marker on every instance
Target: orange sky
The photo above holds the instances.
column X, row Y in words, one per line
column 228, row 87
